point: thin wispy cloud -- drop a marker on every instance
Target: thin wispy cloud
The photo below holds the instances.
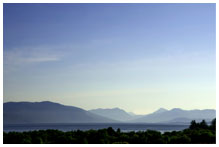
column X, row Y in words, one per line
column 18, row 57
column 42, row 59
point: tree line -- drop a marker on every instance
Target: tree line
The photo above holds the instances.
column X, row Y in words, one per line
column 197, row 133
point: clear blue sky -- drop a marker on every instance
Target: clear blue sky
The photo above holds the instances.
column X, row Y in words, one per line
column 138, row 57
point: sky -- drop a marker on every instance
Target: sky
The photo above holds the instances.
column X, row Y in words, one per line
column 138, row 57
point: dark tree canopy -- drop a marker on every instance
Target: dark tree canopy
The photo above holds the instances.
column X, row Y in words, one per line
column 196, row 133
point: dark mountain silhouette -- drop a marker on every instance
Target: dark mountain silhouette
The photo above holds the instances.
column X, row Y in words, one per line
column 177, row 115
column 47, row 112
column 115, row 113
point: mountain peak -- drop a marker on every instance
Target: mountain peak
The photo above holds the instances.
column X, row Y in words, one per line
column 116, row 108
column 113, row 113
column 161, row 110
column 177, row 109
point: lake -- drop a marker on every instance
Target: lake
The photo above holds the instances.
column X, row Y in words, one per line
column 124, row 127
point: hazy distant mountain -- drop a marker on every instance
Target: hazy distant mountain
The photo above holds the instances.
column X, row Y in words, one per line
column 162, row 115
column 161, row 110
column 115, row 113
column 177, row 115
column 132, row 114
column 47, row 112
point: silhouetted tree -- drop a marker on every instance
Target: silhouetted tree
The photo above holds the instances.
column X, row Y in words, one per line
column 203, row 125
column 213, row 124
column 193, row 125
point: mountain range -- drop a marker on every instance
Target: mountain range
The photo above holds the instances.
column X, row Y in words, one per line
column 50, row 112
column 178, row 115
column 116, row 114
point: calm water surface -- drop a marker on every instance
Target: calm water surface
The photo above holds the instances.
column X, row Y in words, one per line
column 125, row 127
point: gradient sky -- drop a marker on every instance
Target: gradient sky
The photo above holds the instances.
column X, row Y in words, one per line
column 138, row 57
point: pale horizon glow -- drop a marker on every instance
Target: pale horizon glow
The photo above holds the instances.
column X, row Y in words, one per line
column 137, row 57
